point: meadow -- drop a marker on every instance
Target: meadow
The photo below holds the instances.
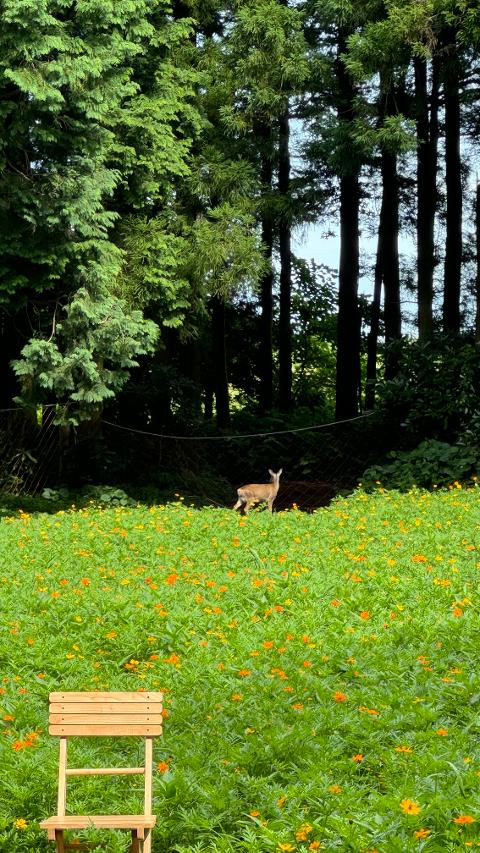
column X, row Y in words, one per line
column 321, row 678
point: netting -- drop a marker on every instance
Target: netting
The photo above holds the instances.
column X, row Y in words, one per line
column 318, row 462
column 29, row 450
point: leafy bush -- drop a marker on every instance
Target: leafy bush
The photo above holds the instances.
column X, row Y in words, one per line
column 435, row 391
column 432, row 463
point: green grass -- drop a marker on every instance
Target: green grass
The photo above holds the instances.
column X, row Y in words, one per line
column 319, row 670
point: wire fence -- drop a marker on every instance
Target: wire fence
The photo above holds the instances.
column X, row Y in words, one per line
column 318, row 462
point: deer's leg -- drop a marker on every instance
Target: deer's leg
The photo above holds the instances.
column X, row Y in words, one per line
column 238, row 504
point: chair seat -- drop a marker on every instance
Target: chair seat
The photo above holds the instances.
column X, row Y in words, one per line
column 138, row 822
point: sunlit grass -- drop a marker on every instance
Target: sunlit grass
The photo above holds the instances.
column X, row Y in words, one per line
column 320, row 671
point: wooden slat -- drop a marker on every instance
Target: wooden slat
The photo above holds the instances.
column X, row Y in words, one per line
column 101, row 696
column 139, row 823
column 108, row 729
column 114, row 821
column 101, row 719
column 105, row 771
column 105, row 707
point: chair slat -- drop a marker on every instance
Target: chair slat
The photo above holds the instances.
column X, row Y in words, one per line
column 101, row 696
column 106, row 730
column 101, row 719
column 105, row 707
column 120, row 821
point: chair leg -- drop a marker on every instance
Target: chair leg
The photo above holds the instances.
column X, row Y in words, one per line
column 59, row 841
column 135, row 848
column 147, row 844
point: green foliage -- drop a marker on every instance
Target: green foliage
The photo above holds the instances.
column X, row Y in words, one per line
column 319, row 670
column 431, row 464
column 266, row 53
column 96, row 343
column 96, row 121
column 434, row 393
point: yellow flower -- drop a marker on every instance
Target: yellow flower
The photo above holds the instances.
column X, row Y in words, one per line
column 286, row 846
column 303, row 832
column 410, row 807
column 20, row 823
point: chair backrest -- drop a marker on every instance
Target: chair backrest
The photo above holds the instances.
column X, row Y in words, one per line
column 108, row 715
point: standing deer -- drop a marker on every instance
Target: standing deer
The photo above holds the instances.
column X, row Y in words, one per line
column 254, row 493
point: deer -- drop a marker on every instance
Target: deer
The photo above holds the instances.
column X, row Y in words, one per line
column 255, row 493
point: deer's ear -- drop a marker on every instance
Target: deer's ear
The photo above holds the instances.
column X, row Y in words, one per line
column 272, row 473
column 279, row 472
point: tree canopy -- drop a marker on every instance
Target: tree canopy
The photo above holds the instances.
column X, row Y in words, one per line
column 157, row 158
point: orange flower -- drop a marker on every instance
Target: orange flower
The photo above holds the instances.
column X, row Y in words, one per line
column 85, row 581
column 410, row 807
column 335, row 789
column 358, row 757
column 463, row 819
column 254, row 814
column 298, row 706
column 244, row 672
column 403, row 749
column 338, row 696
column 172, row 659
column 335, row 603
column 442, row 732
column 268, row 644
column 365, row 614
column 315, row 845
column 422, row 833
column 171, row 579
column 236, row 697
column 162, row 766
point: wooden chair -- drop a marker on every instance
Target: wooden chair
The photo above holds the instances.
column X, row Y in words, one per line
column 108, row 715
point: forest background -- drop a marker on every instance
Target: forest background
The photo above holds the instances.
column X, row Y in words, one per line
column 157, row 160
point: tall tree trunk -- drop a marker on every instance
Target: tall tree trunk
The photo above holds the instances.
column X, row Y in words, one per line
column 284, row 236
column 266, row 285
column 477, row 276
column 453, row 182
column 372, row 340
column 348, row 323
column 427, row 137
column 391, row 271
column 222, row 401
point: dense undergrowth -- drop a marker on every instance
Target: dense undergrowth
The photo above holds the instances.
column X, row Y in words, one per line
column 320, row 671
